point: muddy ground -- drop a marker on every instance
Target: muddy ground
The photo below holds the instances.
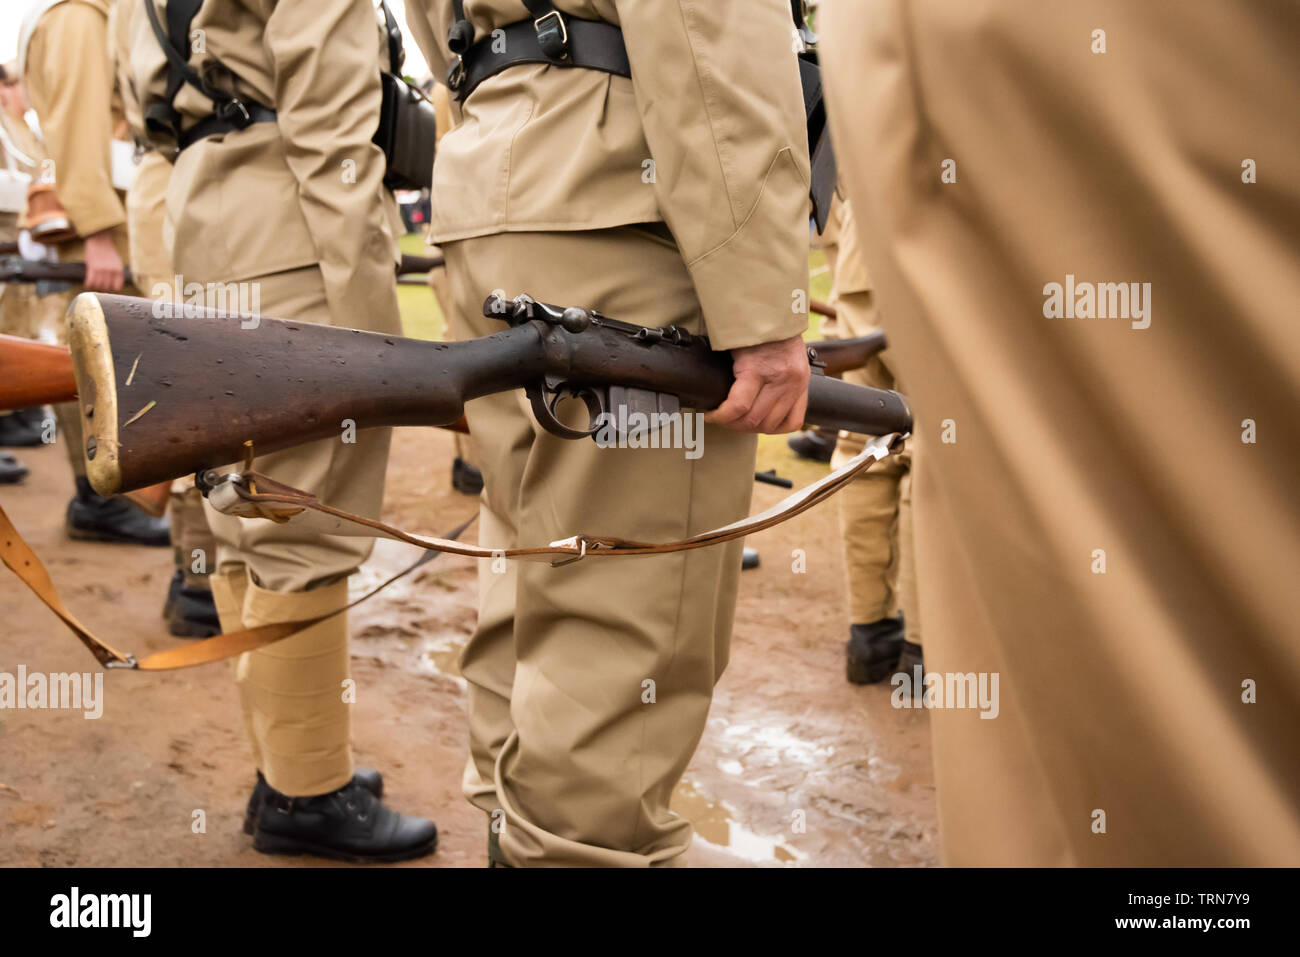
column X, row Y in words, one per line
column 797, row 767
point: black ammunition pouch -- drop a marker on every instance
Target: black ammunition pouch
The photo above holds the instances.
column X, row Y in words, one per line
column 407, row 125
column 552, row 38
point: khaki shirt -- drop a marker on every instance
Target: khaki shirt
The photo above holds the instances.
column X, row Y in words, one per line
column 69, row 79
column 304, row 190
column 708, row 137
column 146, row 200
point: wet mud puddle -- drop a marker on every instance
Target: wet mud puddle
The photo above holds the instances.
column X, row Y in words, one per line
column 825, row 786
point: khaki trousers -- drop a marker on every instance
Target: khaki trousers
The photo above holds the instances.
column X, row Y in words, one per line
column 589, row 684
column 20, row 310
column 292, row 693
column 453, row 328
column 194, row 550
column 876, row 508
column 1113, row 528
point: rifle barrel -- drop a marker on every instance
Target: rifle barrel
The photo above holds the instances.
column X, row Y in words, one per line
column 17, row 269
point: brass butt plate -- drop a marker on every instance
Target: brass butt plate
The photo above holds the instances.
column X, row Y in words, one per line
column 92, row 364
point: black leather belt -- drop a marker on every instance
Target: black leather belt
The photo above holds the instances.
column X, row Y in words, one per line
column 554, row 39
column 236, row 115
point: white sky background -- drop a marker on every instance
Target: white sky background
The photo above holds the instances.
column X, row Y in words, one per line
column 12, row 12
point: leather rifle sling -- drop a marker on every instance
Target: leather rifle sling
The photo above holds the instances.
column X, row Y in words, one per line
column 22, row 561
column 281, row 503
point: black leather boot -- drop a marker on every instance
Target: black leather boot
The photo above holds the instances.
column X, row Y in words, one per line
column 173, row 592
column 812, row 444
column 193, row 614
column 368, row 778
column 349, row 824
column 11, row 470
column 873, row 650
column 93, row 518
column 22, row 429
column 909, row 658
column 466, row 478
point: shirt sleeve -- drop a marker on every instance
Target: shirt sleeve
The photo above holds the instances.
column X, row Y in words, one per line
column 717, row 85
column 325, row 69
column 70, row 83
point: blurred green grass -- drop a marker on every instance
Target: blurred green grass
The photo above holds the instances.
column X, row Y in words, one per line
column 421, row 316
column 422, row 319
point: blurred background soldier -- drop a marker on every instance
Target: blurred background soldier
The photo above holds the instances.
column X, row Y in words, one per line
column 818, row 444
column 63, row 52
column 465, row 474
column 876, row 508
column 676, row 197
column 1111, row 523
column 189, row 607
column 20, row 308
column 278, row 186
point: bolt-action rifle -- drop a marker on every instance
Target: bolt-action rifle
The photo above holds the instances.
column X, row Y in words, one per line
column 167, row 390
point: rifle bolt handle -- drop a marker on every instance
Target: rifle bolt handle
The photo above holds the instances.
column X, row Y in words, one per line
column 575, row 320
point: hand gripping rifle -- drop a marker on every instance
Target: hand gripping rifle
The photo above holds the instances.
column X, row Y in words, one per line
column 167, row 390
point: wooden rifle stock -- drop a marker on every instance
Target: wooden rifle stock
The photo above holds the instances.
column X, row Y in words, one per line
column 34, row 373
column 820, row 308
column 838, row 356
column 411, row 265
column 167, row 390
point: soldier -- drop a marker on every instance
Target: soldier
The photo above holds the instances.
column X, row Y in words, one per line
column 818, row 444
column 278, row 187
column 1091, row 242
column 189, row 607
column 676, row 196
column 876, row 508
column 19, row 306
column 466, row 477
column 64, row 61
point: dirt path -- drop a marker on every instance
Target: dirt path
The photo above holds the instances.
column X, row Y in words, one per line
column 796, row 767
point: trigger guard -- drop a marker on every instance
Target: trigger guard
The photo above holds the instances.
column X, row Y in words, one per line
column 544, row 403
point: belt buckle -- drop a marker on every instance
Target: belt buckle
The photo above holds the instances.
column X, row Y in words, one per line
column 234, row 112
column 456, row 75
column 554, row 44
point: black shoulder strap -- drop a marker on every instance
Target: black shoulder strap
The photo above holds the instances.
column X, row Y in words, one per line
column 461, row 33
column 396, row 54
column 175, row 42
column 163, row 117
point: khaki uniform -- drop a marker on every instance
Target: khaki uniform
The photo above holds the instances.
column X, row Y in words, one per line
column 22, row 312
column 876, row 508
column 589, row 684
column 194, row 548
column 1115, row 529
column 828, row 241
column 68, row 72
column 296, row 207
column 447, row 116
